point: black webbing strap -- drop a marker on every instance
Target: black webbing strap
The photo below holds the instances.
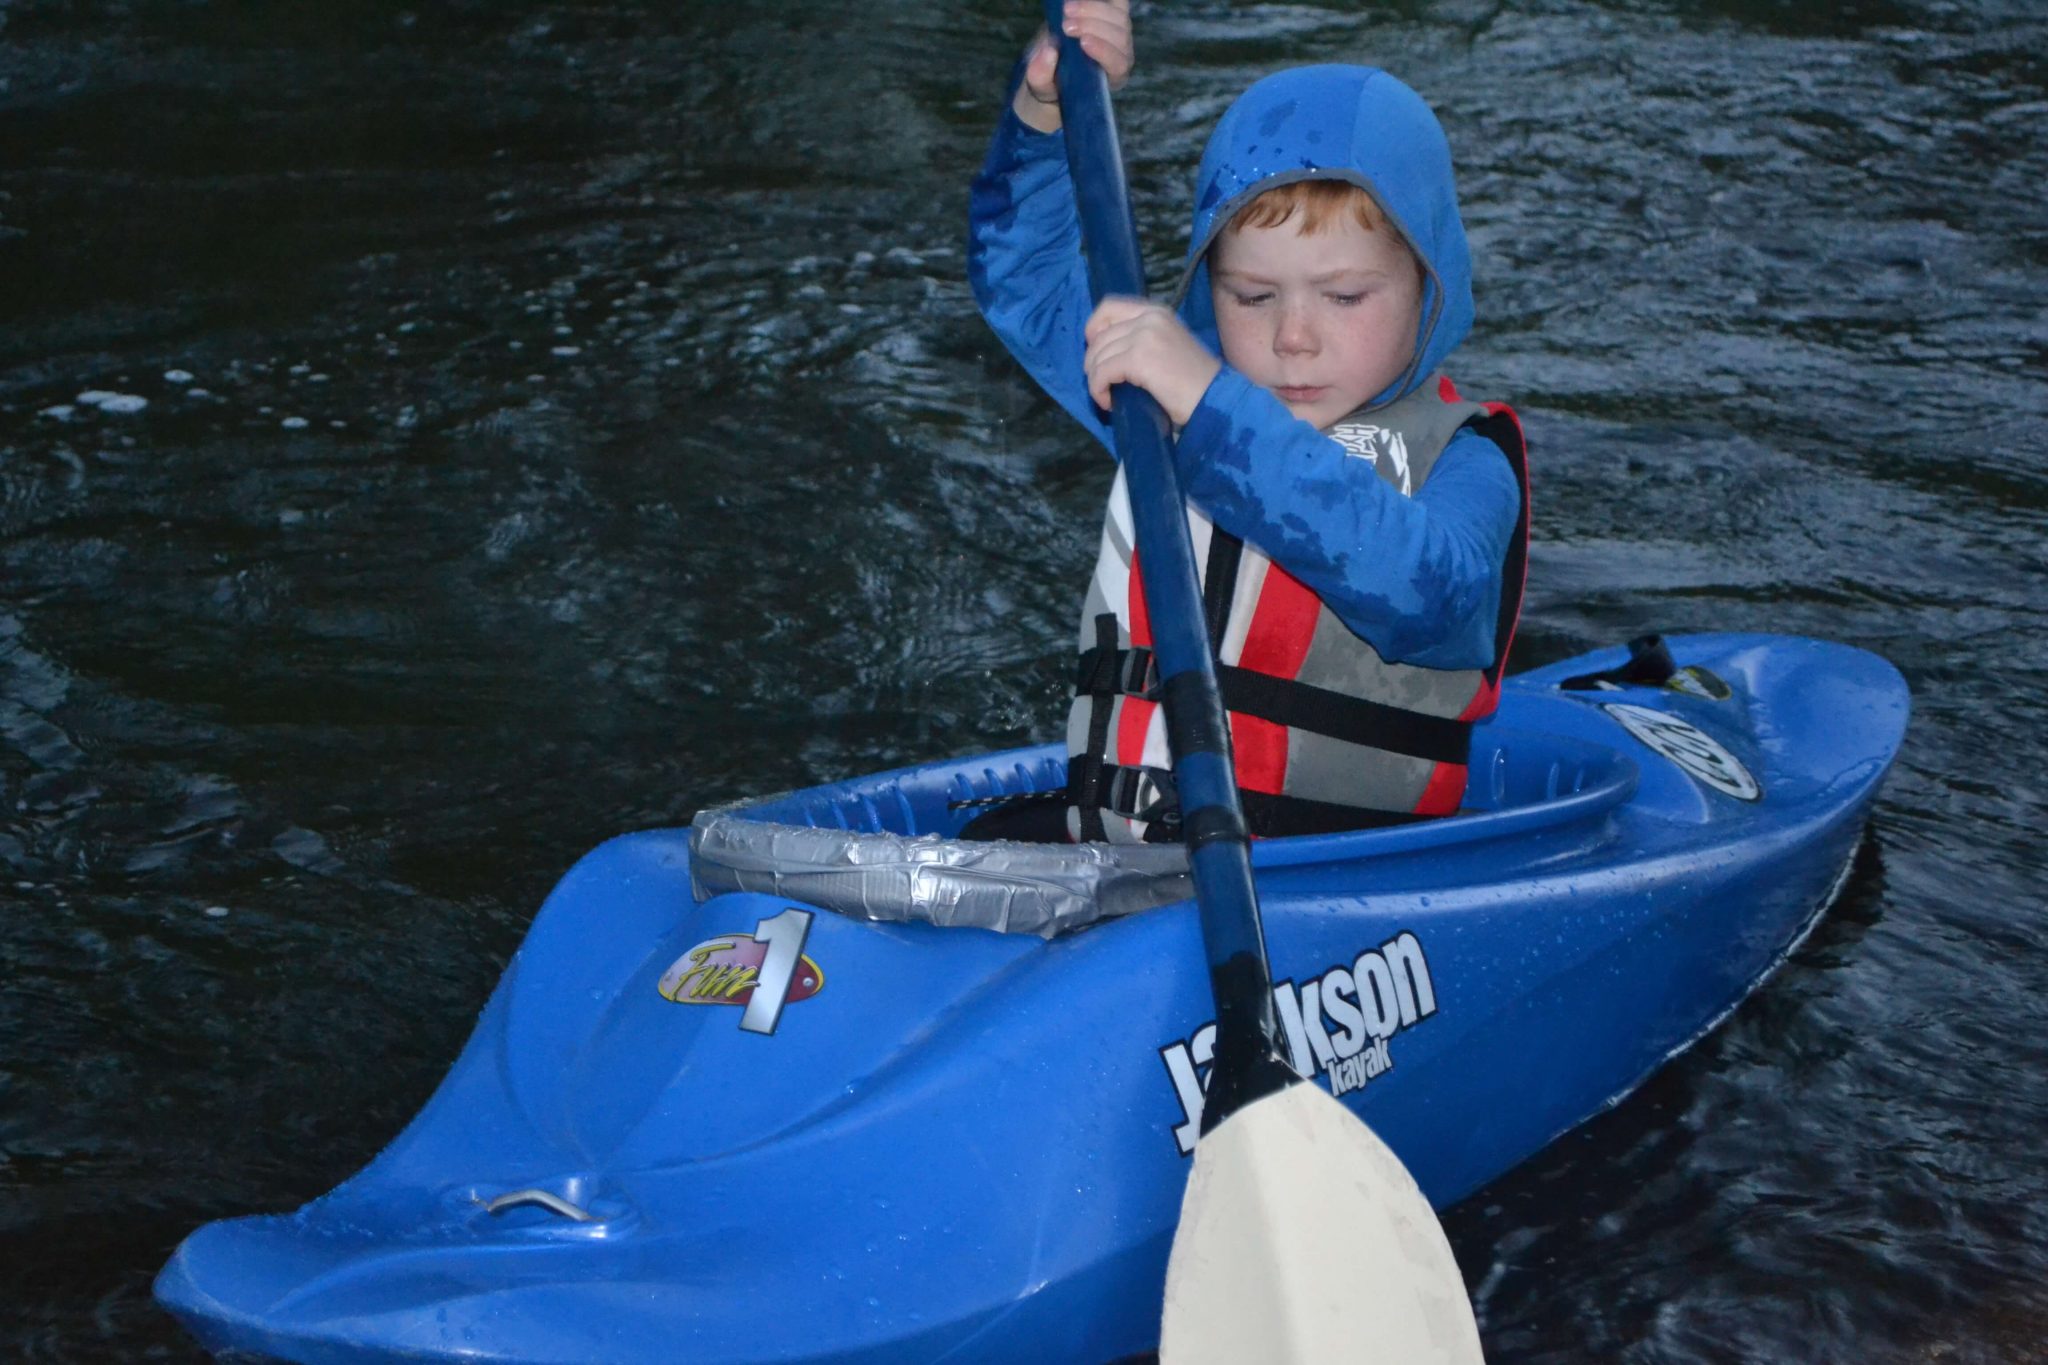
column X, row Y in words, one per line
column 1502, row 430
column 1084, row 778
column 1304, row 706
column 1219, row 583
column 1272, row 816
column 1106, row 671
column 1284, row 701
column 1149, row 794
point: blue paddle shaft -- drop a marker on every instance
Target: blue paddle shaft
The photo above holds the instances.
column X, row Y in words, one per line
column 1219, row 854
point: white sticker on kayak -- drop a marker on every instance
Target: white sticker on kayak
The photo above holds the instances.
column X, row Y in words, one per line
column 1699, row 754
column 1338, row 1024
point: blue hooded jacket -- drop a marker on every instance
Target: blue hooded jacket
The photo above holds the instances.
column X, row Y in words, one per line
column 1418, row 577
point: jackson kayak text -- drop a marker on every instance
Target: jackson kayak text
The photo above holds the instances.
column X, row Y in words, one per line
column 1340, row 1023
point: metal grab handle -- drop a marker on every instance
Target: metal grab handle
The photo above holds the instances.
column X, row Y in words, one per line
column 553, row 1203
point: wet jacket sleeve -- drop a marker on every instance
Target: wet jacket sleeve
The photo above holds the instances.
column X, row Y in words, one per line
column 1419, row 577
column 1024, row 262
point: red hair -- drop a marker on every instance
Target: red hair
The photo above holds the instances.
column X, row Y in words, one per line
column 1319, row 203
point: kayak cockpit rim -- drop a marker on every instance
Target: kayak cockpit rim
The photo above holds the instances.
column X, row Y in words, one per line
column 881, row 847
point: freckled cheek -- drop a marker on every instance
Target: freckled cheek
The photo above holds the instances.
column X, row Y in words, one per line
column 1243, row 340
column 1389, row 332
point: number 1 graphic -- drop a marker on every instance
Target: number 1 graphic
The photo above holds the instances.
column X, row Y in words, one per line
column 784, row 935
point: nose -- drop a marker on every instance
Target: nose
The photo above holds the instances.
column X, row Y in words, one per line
column 1296, row 333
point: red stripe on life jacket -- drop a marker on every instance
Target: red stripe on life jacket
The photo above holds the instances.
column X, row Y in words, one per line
column 1484, row 702
column 1136, row 716
column 1260, row 750
column 1446, row 788
column 1283, row 625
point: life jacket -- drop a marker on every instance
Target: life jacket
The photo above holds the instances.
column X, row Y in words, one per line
column 1325, row 734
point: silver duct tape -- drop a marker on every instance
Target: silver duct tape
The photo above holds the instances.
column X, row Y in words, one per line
column 1013, row 888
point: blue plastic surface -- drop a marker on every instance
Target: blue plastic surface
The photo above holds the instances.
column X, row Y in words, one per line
column 959, row 1145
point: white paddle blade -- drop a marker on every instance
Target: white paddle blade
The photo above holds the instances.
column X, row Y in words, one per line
column 1304, row 1238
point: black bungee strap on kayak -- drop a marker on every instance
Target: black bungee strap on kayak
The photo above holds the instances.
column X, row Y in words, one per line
column 1649, row 665
column 1009, row 799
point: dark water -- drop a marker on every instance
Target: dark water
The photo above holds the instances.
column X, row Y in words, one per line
column 549, row 418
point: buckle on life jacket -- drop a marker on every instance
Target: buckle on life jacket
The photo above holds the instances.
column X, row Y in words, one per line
column 1136, row 793
column 1109, row 672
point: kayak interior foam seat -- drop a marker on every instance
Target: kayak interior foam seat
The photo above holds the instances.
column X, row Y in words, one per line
column 883, row 847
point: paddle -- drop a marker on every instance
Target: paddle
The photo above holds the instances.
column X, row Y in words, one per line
column 1302, row 1237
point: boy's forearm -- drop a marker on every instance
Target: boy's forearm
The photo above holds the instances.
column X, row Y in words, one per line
column 1024, row 262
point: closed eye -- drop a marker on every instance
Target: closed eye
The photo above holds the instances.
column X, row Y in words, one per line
column 1347, row 300
column 1249, row 300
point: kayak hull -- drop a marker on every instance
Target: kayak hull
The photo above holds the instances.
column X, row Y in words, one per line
column 960, row 1144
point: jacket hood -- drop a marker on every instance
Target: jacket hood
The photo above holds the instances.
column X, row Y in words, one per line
column 1351, row 123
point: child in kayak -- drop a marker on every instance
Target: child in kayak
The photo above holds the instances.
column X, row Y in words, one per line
column 1362, row 529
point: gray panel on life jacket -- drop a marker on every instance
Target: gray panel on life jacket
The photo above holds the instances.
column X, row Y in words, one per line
column 1342, row 661
column 1013, row 888
column 1320, row 768
column 1404, row 438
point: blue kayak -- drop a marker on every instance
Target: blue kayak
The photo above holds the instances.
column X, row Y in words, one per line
column 713, row 1125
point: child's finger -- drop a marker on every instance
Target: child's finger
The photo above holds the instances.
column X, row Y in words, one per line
column 1099, row 380
column 1041, row 63
column 1100, row 383
column 1102, row 25
column 1115, row 309
column 1113, row 360
column 1115, row 62
column 1105, row 37
column 1103, row 11
column 1099, row 365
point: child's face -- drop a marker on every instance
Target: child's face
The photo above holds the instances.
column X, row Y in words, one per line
column 1324, row 321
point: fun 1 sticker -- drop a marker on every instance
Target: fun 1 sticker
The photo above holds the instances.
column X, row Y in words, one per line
column 761, row 972
column 1701, row 755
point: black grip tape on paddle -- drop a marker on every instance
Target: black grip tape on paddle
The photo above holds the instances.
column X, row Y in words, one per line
column 1213, row 824
column 1195, row 723
column 1247, row 1064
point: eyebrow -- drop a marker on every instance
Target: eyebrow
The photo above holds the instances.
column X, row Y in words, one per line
column 1360, row 274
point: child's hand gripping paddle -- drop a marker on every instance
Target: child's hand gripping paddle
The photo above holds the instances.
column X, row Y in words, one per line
column 1302, row 1237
